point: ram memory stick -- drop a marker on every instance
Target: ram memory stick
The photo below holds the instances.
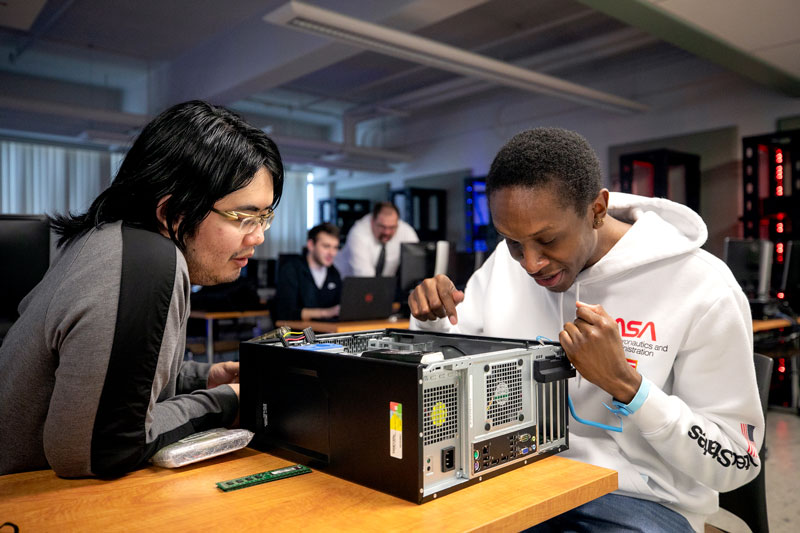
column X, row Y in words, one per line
column 263, row 477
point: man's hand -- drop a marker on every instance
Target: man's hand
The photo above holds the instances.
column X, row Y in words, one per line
column 224, row 373
column 434, row 298
column 593, row 344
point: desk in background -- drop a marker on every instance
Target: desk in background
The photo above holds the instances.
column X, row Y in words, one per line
column 344, row 327
column 361, row 325
column 187, row 499
column 766, row 325
column 210, row 316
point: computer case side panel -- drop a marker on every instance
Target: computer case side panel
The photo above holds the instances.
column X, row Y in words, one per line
column 376, row 424
column 357, row 418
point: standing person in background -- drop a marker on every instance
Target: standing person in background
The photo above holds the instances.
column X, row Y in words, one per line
column 93, row 380
column 310, row 287
column 373, row 243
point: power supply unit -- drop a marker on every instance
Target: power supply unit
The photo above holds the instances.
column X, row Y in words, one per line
column 414, row 414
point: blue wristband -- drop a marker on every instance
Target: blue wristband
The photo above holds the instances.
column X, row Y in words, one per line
column 638, row 400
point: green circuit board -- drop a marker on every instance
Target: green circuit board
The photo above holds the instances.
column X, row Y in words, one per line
column 262, row 477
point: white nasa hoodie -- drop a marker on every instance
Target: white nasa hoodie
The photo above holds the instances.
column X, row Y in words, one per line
column 685, row 326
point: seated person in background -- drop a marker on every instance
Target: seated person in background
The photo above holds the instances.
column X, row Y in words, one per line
column 93, row 380
column 373, row 243
column 671, row 346
column 310, row 287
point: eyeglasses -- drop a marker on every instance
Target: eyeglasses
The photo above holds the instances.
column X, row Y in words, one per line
column 248, row 223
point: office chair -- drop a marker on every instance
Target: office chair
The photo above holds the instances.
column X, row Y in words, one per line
column 749, row 502
column 25, row 249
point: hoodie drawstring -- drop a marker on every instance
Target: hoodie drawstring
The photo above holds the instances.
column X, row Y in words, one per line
column 561, row 310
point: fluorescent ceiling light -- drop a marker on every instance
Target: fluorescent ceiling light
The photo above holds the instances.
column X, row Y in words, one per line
column 434, row 54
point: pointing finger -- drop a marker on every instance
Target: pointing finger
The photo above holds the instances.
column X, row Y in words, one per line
column 449, row 296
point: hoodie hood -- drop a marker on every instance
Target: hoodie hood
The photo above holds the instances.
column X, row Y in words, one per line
column 660, row 229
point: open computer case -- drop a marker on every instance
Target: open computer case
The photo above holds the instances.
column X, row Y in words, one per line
column 414, row 414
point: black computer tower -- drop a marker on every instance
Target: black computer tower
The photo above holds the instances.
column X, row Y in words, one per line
column 417, row 415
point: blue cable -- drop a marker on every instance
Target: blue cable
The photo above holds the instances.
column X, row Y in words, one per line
column 616, row 412
column 596, row 424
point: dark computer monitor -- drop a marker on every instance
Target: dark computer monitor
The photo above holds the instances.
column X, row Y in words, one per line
column 25, row 249
column 750, row 260
column 260, row 272
column 244, row 294
column 790, row 280
column 421, row 260
column 461, row 266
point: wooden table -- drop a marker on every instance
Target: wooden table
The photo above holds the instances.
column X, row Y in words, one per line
column 343, row 327
column 187, row 499
column 774, row 323
column 211, row 316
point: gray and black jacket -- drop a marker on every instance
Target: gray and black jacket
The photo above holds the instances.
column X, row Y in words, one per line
column 92, row 376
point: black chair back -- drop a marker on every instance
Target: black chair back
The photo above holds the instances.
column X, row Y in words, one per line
column 749, row 502
column 25, row 253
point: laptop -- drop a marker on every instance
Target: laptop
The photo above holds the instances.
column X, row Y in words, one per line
column 366, row 298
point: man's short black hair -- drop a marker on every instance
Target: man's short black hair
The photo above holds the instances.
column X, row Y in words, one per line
column 548, row 156
column 325, row 227
column 380, row 206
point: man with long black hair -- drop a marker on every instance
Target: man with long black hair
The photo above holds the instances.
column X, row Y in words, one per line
column 92, row 375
